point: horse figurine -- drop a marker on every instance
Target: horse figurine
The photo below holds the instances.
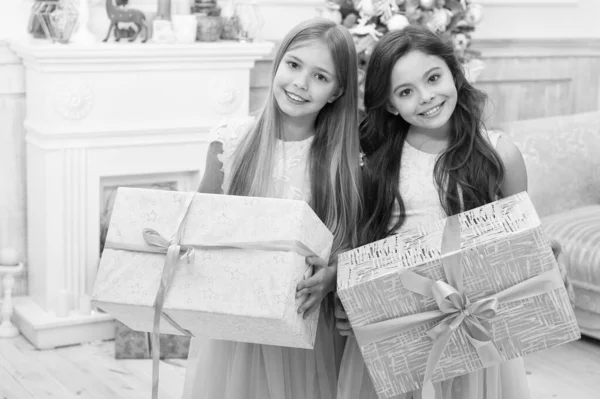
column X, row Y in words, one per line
column 125, row 15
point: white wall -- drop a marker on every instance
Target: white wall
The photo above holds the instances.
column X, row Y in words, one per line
column 539, row 19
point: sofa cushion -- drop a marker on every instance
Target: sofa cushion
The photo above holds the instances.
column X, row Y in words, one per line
column 562, row 156
column 578, row 232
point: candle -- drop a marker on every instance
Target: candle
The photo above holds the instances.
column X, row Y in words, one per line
column 8, row 257
column 62, row 304
column 85, row 305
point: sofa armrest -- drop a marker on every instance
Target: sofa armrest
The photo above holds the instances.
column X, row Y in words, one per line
column 562, row 156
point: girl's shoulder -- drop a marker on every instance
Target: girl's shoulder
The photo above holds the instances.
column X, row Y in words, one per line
column 492, row 136
column 229, row 134
column 508, row 151
column 232, row 130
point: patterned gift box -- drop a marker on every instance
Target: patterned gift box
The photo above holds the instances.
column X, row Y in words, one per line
column 229, row 265
column 131, row 344
column 454, row 296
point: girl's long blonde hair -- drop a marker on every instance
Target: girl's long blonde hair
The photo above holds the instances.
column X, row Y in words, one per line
column 334, row 153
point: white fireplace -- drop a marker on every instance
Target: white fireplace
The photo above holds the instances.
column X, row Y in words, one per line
column 98, row 117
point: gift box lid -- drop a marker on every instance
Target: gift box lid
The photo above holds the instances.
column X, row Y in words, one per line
column 501, row 219
column 217, row 221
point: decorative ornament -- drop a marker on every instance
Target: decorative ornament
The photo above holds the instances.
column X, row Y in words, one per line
column 366, row 9
column 460, row 41
column 226, row 97
column 474, row 14
column 364, row 28
column 74, row 100
column 385, row 9
column 397, row 22
column 473, row 69
column 162, row 31
column 350, row 20
column 53, row 19
column 250, row 18
column 427, row 4
column 413, row 14
column 82, row 34
column 123, row 15
column 331, row 11
column 439, row 20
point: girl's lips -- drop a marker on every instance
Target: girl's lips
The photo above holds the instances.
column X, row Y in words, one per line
column 295, row 97
column 433, row 110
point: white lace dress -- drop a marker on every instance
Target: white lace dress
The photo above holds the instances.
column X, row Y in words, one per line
column 506, row 381
column 237, row 370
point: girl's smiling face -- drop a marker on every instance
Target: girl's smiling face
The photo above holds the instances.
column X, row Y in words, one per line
column 423, row 92
column 306, row 80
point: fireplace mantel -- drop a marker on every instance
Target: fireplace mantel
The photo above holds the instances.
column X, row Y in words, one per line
column 115, row 113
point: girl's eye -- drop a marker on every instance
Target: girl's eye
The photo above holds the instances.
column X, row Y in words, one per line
column 434, row 78
column 404, row 93
column 293, row 64
column 321, row 77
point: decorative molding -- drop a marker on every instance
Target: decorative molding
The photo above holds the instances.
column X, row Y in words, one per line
column 157, row 135
column 8, row 56
column 292, row 3
column 12, row 80
column 73, row 99
column 528, row 3
column 227, row 98
column 518, row 48
column 46, row 331
column 112, row 57
column 532, row 48
column 74, row 222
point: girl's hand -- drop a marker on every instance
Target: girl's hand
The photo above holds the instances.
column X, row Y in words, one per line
column 315, row 288
column 341, row 319
column 557, row 250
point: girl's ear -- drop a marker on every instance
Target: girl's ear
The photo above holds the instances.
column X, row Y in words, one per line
column 390, row 108
column 336, row 94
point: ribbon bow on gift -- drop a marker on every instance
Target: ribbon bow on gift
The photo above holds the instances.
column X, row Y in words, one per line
column 456, row 310
column 472, row 317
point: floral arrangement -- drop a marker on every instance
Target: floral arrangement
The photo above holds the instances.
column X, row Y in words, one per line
column 368, row 20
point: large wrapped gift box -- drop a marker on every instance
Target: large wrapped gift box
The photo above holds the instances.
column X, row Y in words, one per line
column 455, row 296
column 234, row 273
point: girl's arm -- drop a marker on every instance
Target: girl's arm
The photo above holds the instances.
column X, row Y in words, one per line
column 515, row 173
column 212, row 180
column 515, row 181
column 315, row 288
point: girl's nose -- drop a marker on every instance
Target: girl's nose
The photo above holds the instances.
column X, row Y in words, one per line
column 300, row 81
column 426, row 97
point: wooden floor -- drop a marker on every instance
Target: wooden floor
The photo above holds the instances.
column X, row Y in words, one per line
column 571, row 371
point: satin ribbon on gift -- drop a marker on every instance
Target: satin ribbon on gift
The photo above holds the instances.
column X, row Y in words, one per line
column 175, row 251
column 455, row 309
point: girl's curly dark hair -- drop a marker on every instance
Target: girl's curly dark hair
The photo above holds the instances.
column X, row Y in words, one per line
column 469, row 173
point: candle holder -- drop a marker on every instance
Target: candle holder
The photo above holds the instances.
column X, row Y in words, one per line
column 7, row 328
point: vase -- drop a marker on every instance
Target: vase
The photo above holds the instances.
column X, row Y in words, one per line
column 209, row 28
column 53, row 19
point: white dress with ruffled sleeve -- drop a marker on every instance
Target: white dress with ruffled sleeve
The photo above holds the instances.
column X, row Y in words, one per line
column 237, row 370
